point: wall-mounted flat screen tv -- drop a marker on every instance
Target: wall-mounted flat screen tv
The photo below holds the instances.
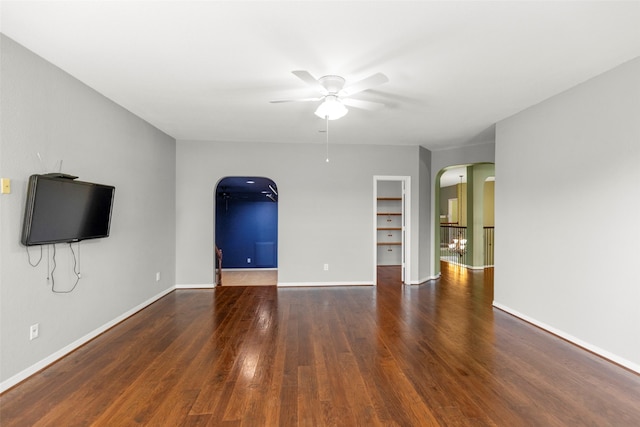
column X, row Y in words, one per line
column 60, row 209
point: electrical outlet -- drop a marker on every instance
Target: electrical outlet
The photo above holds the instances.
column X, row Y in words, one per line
column 34, row 331
column 248, row 260
column 158, row 276
column 326, row 267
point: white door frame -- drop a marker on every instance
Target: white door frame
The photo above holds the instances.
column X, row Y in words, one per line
column 406, row 227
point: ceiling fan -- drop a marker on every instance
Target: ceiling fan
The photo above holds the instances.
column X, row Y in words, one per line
column 335, row 96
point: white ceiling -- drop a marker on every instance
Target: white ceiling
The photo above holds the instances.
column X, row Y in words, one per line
column 451, row 176
column 206, row 70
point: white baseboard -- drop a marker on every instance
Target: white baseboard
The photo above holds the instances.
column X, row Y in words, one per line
column 26, row 373
column 425, row 280
column 196, row 286
column 587, row 346
column 312, row 284
column 471, row 267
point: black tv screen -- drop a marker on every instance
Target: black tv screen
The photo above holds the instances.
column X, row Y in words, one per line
column 64, row 210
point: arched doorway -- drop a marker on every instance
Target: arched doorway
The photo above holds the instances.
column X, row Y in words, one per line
column 246, row 231
column 464, row 215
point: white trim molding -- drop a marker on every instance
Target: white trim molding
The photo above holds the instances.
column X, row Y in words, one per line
column 321, row 284
column 196, row 286
column 568, row 337
column 406, row 217
column 33, row 369
column 426, row 279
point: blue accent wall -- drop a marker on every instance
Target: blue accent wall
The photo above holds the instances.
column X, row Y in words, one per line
column 247, row 229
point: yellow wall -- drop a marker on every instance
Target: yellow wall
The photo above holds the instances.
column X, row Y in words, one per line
column 488, row 213
column 488, row 202
column 462, row 204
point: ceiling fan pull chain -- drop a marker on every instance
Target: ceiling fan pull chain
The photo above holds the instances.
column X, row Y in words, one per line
column 326, row 120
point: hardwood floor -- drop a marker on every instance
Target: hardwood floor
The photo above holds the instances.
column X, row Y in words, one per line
column 257, row 277
column 434, row 354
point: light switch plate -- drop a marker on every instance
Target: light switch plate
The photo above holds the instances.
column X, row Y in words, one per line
column 5, row 185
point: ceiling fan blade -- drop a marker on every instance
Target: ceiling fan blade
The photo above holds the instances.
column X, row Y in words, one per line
column 306, row 77
column 278, row 101
column 365, row 105
column 364, row 84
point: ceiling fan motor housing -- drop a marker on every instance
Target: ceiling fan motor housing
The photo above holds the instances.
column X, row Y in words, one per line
column 333, row 84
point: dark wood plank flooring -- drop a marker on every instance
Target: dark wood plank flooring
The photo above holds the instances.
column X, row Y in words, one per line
column 434, row 354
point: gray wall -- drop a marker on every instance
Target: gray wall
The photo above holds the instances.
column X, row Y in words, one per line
column 480, row 153
column 46, row 111
column 565, row 258
column 325, row 209
column 424, row 222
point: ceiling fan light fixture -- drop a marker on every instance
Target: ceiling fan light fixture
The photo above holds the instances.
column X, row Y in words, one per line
column 331, row 108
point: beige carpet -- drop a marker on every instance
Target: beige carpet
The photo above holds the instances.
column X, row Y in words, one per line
column 250, row 278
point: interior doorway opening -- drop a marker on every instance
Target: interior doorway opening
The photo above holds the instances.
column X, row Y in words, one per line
column 391, row 209
column 464, row 206
column 246, row 231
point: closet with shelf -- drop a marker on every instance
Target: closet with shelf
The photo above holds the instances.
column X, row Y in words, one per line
column 389, row 230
